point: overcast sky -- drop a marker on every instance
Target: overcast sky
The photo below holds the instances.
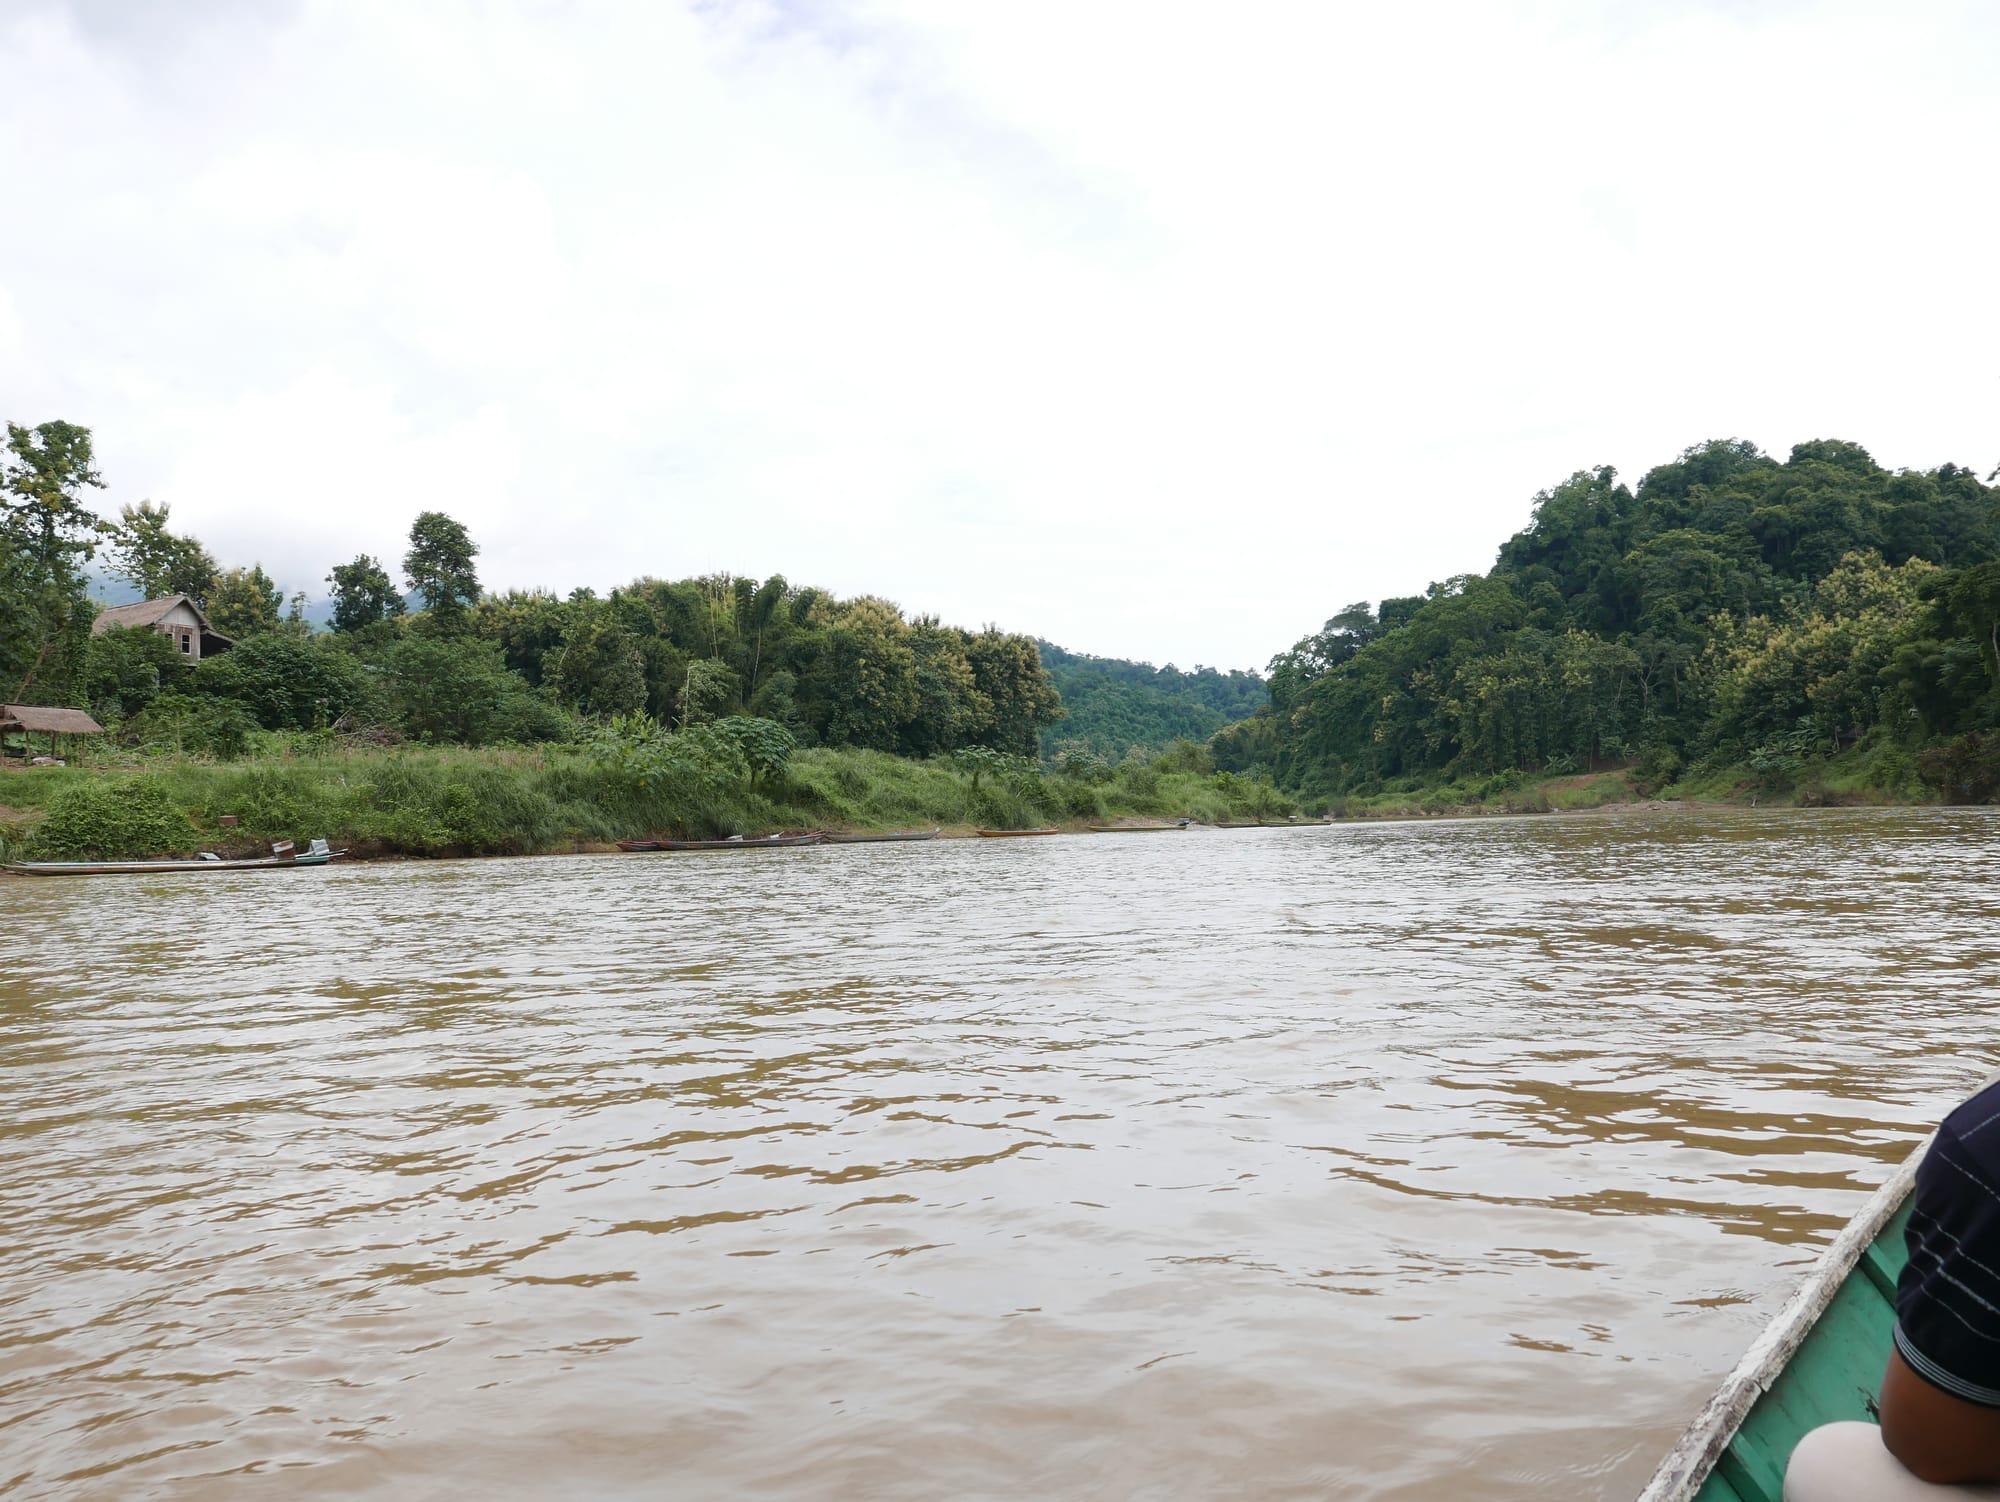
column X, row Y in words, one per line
column 1158, row 330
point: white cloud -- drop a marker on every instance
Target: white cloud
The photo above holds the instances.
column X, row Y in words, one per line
column 1158, row 330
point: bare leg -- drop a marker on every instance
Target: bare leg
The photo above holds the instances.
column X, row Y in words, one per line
column 1847, row 1463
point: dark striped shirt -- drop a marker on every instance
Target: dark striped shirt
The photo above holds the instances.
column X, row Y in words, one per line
column 1948, row 1298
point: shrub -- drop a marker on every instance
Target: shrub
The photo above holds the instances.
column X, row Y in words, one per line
column 765, row 745
column 1184, row 755
column 977, row 761
column 112, row 819
column 1658, row 767
column 1966, row 770
column 1082, row 765
column 1078, row 800
column 1140, row 780
column 194, row 725
column 280, row 801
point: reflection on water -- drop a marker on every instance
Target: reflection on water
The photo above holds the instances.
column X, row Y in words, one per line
column 1403, row 1161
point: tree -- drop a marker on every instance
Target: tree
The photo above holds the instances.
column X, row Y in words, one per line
column 287, row 682
column 529, row 626
column 156, row 561
column 453, row 689
column 439, row 567
column 1008, row 672
column 362, row 593
column 1971, row 602
column 860, row 686
column 599, row 670
column 47, row 534
column 709, row 688
column 126, row 668
column 244, row 602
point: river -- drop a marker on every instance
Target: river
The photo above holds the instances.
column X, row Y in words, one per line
column 1433, row 1160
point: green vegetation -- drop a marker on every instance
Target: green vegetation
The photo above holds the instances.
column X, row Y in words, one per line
column 1817, row 629
column 530, row 721
column 527, row 667
column 1114, row 708
column 731, row 777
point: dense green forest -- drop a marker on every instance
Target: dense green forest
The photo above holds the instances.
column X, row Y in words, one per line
column 1114, row 707
column 1732, row 622
column 1733, row 610
column 468, row 667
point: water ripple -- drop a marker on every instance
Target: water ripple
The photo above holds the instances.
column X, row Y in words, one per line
column 1384, row 1161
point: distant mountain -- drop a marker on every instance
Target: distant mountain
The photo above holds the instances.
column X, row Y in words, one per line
column 109, row 591
column 1116, row 706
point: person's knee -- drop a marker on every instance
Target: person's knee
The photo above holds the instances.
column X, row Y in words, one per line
column 1838, row 1463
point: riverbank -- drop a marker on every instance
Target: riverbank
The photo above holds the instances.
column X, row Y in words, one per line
column 532, row 801
column 454, row 801
column 1867, row 776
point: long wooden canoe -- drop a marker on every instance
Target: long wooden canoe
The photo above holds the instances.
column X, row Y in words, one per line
column 166, row 868
column 767, row 842
column 881, row 839
column 1820, row 1360
column 1013, row 834
column 1135, row 828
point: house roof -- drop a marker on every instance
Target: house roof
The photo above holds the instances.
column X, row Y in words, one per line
column 44, row 720
column 150, row 613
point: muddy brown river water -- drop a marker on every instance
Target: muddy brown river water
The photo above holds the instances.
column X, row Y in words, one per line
column 1435, row 1161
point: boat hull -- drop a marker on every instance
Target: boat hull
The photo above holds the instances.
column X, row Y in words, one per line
column 166, row 868
column 1012, row 834
column 881, row 839
column 774, row 842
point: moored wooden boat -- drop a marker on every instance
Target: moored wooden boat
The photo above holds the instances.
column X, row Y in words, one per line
column 1013, row 834
column 881, row 839
column 1818, row 1361
column 318, row 855
column 1137, row 828
column 766, row 842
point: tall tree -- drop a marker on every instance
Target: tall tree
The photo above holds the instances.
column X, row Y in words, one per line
column 363, row 593
column 245, row 602
column 155, row 560
column 47, row 534
column 439, row 567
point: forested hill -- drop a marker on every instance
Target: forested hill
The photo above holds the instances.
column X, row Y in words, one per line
column 1730, row 609
column 1114, row 706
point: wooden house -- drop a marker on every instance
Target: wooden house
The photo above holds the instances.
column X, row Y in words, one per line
column 176, row 616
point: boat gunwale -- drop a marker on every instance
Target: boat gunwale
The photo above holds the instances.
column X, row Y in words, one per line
column 759, row 842
column 166, row 868
column 1687, row 1465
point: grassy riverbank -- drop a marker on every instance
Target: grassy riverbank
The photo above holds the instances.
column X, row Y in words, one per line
column 518, row 801
column 1864, row 776
column 522, row 801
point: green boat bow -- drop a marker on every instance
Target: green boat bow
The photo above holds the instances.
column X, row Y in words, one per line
column 1820, row 1360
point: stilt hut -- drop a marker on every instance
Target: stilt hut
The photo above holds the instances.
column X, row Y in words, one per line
column 30, row 720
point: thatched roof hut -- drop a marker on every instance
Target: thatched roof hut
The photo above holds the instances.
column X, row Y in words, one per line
column 43, row 719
